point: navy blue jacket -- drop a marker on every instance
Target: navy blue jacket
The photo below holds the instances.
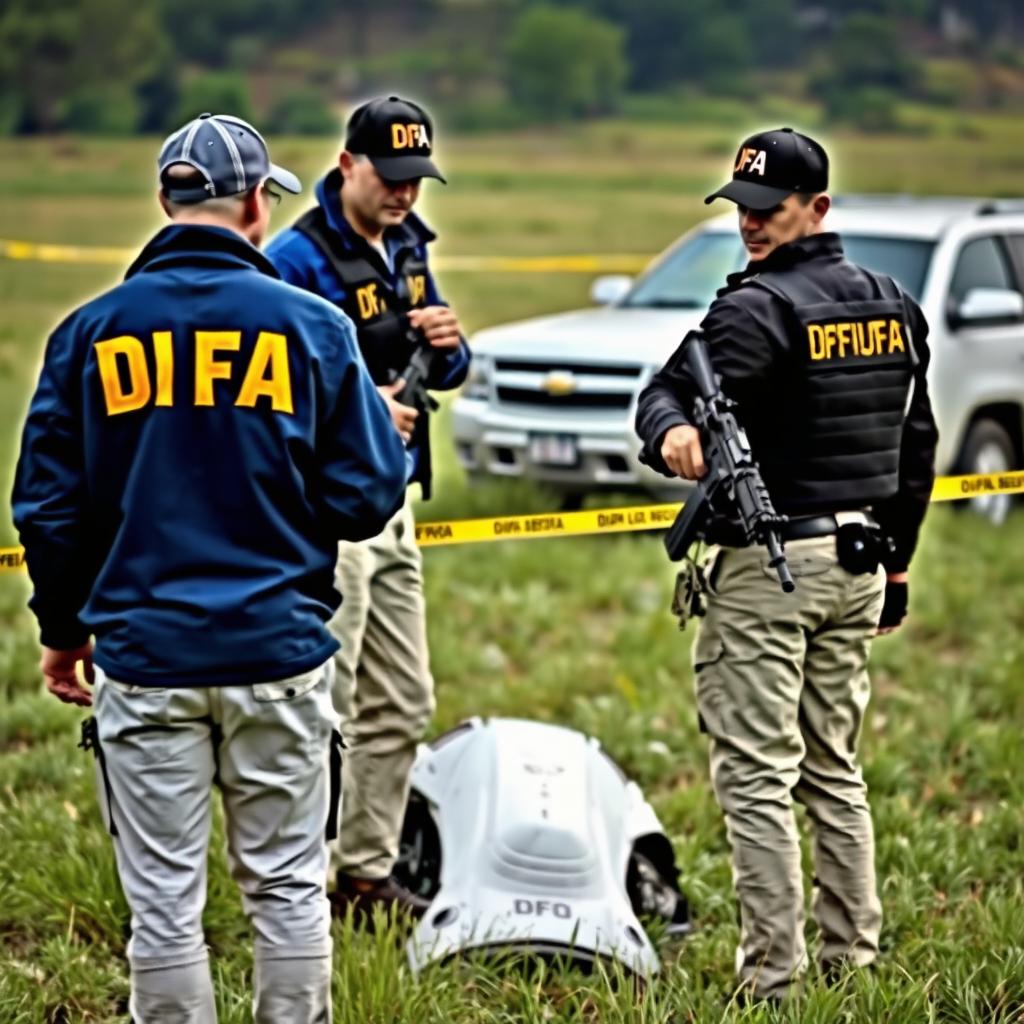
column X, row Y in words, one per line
column 301, row 262
column 200, row 438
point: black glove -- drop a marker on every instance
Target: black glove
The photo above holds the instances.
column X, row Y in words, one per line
column 895, row 608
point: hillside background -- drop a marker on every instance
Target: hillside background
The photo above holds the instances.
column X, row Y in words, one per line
column 118, row 67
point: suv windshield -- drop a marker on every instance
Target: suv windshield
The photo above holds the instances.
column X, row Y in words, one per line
column 903, row 259
column 689, row 276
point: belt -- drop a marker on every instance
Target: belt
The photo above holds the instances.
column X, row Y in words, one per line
column 797, row 528
column 806, row 527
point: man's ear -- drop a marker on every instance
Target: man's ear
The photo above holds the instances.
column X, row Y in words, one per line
column 164, row 205
column 251, row 212
column 822, row 204
column 345, row 163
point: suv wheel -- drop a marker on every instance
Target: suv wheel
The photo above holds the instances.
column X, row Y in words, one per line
column 988, row 449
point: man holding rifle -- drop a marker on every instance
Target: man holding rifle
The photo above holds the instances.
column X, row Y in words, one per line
column 824, row 364
column 365, row 250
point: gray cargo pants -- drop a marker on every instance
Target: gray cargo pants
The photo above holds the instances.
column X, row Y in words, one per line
column 266, row 746
column 782, row 687
column 384, row 691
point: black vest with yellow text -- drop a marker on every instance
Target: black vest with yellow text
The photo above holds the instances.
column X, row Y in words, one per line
column 375, row 307
column 831, row 439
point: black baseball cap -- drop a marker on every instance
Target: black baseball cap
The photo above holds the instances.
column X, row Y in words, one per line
column 227, row 151
column 397, row 135
column 773, row 165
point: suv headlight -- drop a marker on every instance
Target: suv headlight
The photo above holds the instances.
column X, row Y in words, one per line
column 478, row 383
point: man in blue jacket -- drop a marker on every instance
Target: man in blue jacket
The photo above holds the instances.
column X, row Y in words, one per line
column 200, row 438
column 364, row 250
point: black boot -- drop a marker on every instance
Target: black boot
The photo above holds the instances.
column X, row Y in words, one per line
column 362, row 895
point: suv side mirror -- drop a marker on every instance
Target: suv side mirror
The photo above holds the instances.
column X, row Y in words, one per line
column 989, row 306
column 607, row 290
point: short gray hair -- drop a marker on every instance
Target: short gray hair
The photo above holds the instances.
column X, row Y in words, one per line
column 186, row 176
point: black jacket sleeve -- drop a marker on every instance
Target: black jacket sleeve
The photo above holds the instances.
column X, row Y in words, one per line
column 659, row 408
column 741, row 352
column 901, row 515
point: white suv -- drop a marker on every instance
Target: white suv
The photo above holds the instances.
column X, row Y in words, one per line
column 554, row 398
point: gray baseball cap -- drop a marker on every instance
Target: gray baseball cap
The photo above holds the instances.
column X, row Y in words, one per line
column 228, row 152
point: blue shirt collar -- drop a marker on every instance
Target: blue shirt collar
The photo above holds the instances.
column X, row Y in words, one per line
column 410, row 233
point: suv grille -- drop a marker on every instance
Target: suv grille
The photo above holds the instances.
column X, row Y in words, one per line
column 567, row 385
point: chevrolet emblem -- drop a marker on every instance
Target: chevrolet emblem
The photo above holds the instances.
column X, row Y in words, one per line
column 559, row 383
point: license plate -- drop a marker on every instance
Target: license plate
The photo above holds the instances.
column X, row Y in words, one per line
column 554, row 450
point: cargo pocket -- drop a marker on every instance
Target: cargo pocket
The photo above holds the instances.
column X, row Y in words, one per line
column 711, row 572
column 335, row 766
column 708, row 654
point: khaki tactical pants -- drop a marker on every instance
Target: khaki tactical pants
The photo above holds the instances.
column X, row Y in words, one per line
column 383, row 692
column 266, row 746
column 782, row 686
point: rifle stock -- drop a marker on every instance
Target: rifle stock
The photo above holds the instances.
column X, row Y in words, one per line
column 688, row 524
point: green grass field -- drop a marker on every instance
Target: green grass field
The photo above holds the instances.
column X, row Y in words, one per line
column 574, row 631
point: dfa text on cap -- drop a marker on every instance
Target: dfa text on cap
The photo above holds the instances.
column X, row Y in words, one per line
column 773, row 165
column 397, row 135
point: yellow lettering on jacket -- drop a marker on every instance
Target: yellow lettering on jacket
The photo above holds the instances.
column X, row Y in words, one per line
column 209, row 369
column 367, row 297
column 417, row 288
column 163, row 350
column 816, row 339
column 134, row 355
column 271, row 351
column 127, row 383
column 855, row 339
column 896, row 336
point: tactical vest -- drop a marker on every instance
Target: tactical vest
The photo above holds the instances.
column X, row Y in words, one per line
column 832, row 440
column 376, row 308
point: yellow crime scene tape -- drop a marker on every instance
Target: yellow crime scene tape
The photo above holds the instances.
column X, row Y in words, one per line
column 628, row 519
column 611, row 263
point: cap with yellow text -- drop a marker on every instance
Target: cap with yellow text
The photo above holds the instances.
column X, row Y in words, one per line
column 397, row 135
column 773, row 165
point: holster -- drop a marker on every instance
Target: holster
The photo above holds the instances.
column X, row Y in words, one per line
column 861, row 548
column 90, row 740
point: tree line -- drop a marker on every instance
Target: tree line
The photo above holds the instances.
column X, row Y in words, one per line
column 124, row 66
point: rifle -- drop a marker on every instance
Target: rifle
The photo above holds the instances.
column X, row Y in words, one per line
column 733, row 485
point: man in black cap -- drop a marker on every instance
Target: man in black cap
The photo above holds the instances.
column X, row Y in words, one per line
column 827, row 364
column 365, row 250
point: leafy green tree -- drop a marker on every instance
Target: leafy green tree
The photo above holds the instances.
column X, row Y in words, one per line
column 565, row 63
column 867, row 62
column 216, row 92
column 205, row 32
column 303, row 112
column 871, row 50
column 102, row 110
column 55, row 49
column 702, row 41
